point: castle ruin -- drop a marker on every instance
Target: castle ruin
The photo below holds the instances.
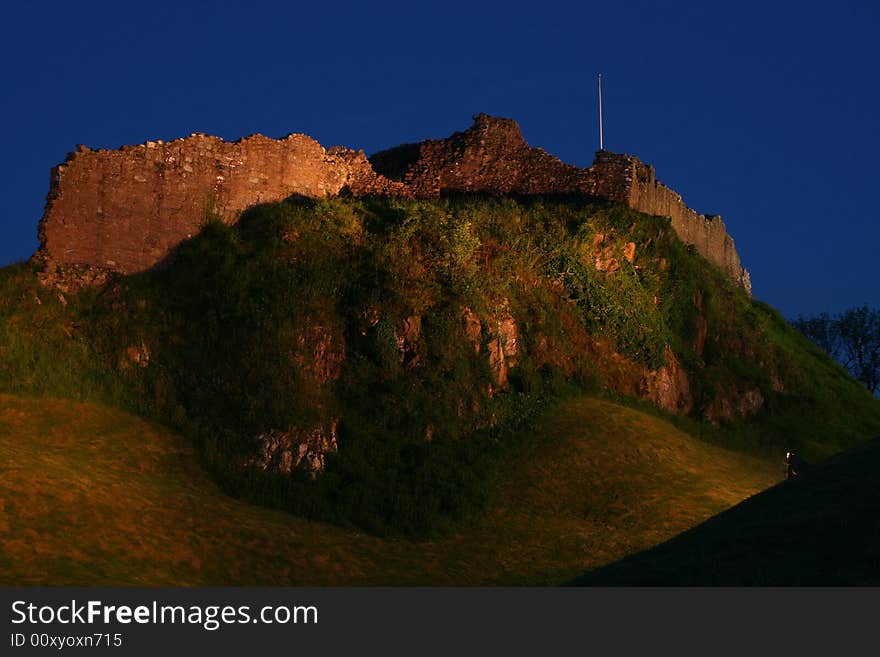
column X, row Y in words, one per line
column 126, row 210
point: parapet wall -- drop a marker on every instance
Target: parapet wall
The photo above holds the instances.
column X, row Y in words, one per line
column 127, row 209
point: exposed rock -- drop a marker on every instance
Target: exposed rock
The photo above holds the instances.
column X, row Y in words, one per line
column 473, row 328
column 320, row 353
column 668, row 387
column 503, row 345
column 498, row 363
column 606, row 262
column 135, row 355
column 732, row 403
column 408, row 340
column 72, row 279
column 606, row 256
column 297, row 449
column 616, row 371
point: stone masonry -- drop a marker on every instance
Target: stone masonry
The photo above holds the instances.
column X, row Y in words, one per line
column 126, row 210
column 625, row 179
column 493, row 157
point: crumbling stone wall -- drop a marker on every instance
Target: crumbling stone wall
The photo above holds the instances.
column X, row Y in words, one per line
column 626, row 179
column 126, row 210
column 492, row 156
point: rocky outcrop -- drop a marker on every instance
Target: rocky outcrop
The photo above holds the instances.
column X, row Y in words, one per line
column 668, row 387
column 296, row 449
column 503, row 345
column 319, row 353
column 407, row 340
column 473, row 328
column 135, row 355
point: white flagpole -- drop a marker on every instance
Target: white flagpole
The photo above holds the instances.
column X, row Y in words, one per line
column 601, row 135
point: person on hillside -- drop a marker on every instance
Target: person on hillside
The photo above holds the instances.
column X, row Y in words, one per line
column 795, row 465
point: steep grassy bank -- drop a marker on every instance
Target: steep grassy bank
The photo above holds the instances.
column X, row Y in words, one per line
column 822, row 529
column 90, row 495
column 431, row 334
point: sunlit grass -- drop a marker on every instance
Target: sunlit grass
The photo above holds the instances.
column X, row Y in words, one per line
column 92, row 495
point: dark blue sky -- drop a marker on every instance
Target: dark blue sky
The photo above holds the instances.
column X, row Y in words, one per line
column 763, row 112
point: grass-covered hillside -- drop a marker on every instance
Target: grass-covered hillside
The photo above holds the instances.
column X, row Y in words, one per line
column 821, row 529
column 429, row 335
column 95, row 496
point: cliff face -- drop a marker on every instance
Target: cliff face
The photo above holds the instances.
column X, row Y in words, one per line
column 126, row 210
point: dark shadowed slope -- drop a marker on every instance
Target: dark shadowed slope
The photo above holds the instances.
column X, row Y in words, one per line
column 821, row 529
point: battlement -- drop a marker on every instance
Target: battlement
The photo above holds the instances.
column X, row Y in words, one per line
column 127, row 209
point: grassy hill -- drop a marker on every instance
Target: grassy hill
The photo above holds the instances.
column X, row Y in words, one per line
column 822, row 529
column 432, row 334
column 91, row 495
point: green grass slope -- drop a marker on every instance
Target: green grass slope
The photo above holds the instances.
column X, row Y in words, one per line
column 90, row 495
column 822, row 529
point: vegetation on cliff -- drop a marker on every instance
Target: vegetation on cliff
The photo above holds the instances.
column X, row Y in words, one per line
column 430, row 333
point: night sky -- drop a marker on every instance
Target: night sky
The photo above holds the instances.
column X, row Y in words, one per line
column 763, row 114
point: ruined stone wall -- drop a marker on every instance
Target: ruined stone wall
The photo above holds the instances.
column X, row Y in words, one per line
column 126, row 209
column 626, row 179
column 492, row 156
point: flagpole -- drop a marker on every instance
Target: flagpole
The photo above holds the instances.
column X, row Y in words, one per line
column 601, row 135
